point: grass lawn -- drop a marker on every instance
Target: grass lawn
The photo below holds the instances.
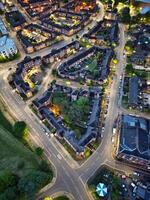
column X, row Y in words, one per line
column 14, row 155
column 92, row 64
column 19, row 161
column 5, row 123
column 61, row 198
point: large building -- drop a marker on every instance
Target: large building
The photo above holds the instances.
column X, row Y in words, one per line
column 104, row 33
column 145, row 5
column 7, row 47
column 28, row 76
column 3, row 29
column 134, row 140
column 79, row 65
column 34, row 37
column 15, row 19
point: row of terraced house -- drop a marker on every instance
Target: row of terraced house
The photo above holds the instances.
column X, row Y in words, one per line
column 63, row 132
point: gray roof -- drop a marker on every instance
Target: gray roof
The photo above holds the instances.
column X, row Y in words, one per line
column 3, row 29
column 61, row 130
column 134, row 137
column 95, row 111
column 143, row 192
column 133, row 90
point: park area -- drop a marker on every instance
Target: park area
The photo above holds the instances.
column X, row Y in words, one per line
column 22, row 172
column 91, row 66
column 74, row 112
column 110, row 181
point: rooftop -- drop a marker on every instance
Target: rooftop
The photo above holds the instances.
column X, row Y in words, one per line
column 133, row 90
column 135, row 137
column 15, row 18
column 3, row 30
column 6, row 43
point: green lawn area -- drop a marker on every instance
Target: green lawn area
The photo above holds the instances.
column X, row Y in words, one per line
column 91, row 64
column 61, row 198
column 13, row 154
column 22, row 172
column 5, row 123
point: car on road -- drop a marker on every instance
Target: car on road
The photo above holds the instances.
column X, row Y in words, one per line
column 103, row 129
column 136, row 174
column 47, row 134
column 44, row 129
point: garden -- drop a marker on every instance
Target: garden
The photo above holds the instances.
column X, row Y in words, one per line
column 74, row 113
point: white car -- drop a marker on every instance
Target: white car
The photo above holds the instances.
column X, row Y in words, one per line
column 103, row 129
column 136, row 174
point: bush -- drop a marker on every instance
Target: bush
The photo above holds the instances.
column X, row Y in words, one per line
column 125, row 15
column 39, row 151
column 129, row 69
column 87, row 153
column 54, row 72
column 61, row 198
column 20, row 130
column 45, row 167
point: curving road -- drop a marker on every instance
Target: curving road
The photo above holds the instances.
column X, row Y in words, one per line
column 70, row 177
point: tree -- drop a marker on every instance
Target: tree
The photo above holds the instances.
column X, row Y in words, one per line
column 32, row 182
column 79, row 110
column 58, row 98
column 20, row 130
column 65, row 1
column 129, row 69
column 39, row 151
column 54, row 72
column 9, row 194
column 125, row 15
column 116, row 2
column 6, row 179
column 129, row 45
column 53, row 82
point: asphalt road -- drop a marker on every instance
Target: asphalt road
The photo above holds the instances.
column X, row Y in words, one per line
column 67, row 179
column 70, row 177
